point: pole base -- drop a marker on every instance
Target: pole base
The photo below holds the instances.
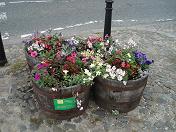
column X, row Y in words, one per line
column 3, row 62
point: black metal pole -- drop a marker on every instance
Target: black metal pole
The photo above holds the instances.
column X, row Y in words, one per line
column 3, row 59
column 108, row 18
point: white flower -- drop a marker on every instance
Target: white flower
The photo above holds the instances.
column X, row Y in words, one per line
column 108, row 68
column 113, row 68
column 107, row 41
column 112, row 74
column 81, row 108
column 98, row 51
column 84, row 80
column 105, row 75
column 98, row 73
column 34, row 45
column 100, row 64
column 74, row 40
column 124, row 82
column 90, row 78
column 30, row 48
column 119, row 78
column 40, row 48
column 43, row 45
column 65, row 72
column 53, row 89
column 120, row 72
column 86, row 71
column 92, row 65
column 110, row 49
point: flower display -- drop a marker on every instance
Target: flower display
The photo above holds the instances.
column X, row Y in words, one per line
column 68, row 62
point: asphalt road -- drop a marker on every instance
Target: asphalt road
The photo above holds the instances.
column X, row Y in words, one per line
column 18, row 18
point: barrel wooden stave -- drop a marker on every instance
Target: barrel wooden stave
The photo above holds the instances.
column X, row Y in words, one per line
column 45, row 100
column 114, row 95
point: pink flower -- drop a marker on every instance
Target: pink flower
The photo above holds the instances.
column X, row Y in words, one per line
column 45, row 63
column 89, row 44
column 73, row 54
column 34, row 54
column 118, row 52
column 40, row 66
column 71, row 59
column 84, row 60
column 58, row 55
column 93, row 58
column 37, row 76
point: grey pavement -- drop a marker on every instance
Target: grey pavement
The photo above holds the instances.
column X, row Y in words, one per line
column 156, row 112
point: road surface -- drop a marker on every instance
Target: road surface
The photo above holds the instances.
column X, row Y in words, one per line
column 23, row 17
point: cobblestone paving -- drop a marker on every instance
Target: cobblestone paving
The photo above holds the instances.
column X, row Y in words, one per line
column 19, row 111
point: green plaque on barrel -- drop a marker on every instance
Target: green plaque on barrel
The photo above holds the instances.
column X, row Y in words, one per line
column 64, row 104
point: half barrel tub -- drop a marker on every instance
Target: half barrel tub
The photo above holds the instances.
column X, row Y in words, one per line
column 45, row 99
column 114, row 95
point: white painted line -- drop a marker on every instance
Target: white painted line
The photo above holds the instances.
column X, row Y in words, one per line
column 3, row 16
column 160, row 20
column 4, row 38
column 43, row 31
column 2, row 4
column 117, row 20
column 77, row 25
column 169, row 19
column 91, row 22
column 134, row 20
column 17, row 2
column 26, row 35
column 69, row 26
column 57, row 29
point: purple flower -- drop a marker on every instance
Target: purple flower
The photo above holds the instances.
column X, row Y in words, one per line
column 148, row 62
column 27, row 42
column 72, row 42
column 40, row 66
column 37, row 76
column 142, row 58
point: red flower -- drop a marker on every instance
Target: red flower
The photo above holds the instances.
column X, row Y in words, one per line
column 47, row 46
column 71, row 59
column 58, row 43
column 49, row 37
column 101, row 39
column 65, row 67
column 125, row 65
column 117, row 62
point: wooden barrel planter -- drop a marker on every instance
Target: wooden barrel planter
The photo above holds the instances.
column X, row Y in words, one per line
column 31, row 61
column 52, row 102
column 114, row 95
